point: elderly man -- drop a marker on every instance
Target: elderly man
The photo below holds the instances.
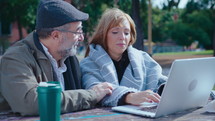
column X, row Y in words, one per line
column 48, row 54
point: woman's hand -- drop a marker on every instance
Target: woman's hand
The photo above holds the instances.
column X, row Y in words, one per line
column 143, row 96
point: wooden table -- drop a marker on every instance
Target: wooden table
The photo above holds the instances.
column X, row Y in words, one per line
column 105, row 114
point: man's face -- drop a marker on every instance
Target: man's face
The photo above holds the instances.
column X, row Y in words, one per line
column 70, row 40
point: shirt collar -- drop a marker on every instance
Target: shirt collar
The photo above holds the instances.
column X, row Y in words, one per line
column 53, row 61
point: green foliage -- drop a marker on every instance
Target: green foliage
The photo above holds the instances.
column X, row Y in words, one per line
column 161, row 20
column 94, row 8
column 200, row 16
column 181, row 33
column 185, row 35
column 195, row 22
column 184, row 26
column 200, row 19
column 23, row 11
column 125, row 5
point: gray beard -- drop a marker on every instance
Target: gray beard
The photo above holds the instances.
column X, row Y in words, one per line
column 73, row 51
column 69, row 52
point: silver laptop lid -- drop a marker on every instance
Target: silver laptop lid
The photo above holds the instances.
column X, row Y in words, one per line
column 189, row 85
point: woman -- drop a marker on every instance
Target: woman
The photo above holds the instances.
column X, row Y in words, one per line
column 110, row 57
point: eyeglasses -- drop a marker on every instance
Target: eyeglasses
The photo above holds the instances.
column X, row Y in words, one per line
column 77, row 33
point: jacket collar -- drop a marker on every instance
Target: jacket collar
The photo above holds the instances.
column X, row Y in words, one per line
column 39, row 55
column 35, row 46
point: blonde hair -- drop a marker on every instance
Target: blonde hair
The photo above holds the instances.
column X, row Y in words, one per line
column 111, row 18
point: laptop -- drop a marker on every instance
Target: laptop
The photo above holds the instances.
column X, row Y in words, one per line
column 189, row 84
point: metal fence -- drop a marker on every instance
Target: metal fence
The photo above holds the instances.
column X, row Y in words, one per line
column 163, row 49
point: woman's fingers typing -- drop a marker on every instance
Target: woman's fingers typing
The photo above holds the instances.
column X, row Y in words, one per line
column 144, row 96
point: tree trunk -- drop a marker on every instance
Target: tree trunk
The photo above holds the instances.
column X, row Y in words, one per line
column 150, row 28
column 214, row 41
column 136, row 17
column 115, row 3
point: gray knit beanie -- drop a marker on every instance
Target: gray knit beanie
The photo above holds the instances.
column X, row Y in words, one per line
column 54, row 13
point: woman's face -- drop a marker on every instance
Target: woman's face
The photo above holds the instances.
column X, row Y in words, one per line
column 118, row 39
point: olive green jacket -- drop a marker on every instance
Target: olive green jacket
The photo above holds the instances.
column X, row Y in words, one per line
column 22, row 67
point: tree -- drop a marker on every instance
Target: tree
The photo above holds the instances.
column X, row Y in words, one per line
column 150, row 27
column 171, row 4
column 185, row 35
column 181, row 33
column 132, row 7
column 194, row 23
column 214, row 41
column 202, row 11
column 21, row 11
column 136, row 17
column 94, row 8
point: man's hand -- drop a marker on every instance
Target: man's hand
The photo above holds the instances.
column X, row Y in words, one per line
column 143, row 96
column 102, row 90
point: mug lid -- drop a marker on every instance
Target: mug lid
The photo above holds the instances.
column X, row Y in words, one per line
column 45, row 87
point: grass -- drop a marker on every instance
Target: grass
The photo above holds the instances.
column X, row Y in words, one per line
column 206, row 52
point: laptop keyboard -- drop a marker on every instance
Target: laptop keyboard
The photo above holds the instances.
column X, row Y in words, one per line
column 150, row 109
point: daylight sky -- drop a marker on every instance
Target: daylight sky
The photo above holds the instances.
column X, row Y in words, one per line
column 159, row 3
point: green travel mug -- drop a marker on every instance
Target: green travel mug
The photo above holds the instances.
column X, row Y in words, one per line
column 49, row 101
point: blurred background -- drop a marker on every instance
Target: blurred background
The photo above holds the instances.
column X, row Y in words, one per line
column 166, row 29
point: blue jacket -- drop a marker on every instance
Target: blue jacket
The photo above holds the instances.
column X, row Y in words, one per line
column 141, row 74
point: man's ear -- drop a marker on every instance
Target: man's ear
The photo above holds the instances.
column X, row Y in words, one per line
column 56, row 35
